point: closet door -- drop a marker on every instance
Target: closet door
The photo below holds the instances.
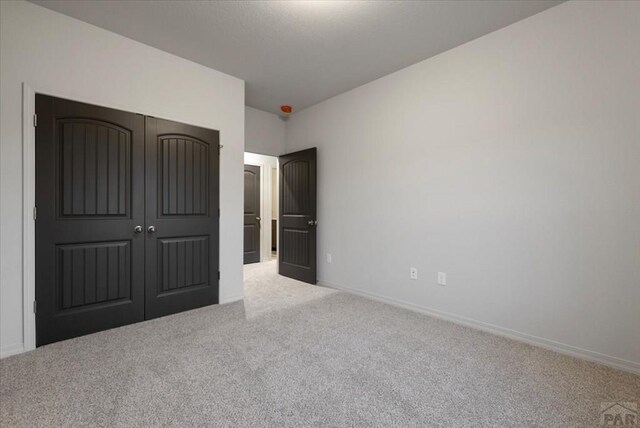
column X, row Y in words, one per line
column 89, row 240
column 182, row 217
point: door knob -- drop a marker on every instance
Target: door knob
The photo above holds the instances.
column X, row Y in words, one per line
column 137, row 229
column 151, row 229
column 312, row 222
column 258, row 218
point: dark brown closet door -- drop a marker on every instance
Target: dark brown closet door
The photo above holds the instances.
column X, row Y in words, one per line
column 182, row 217
column 251, row 214
column 89, row 258
column 297, row 248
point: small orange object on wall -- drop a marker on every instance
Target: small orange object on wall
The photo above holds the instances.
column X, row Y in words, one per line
column 286, row 109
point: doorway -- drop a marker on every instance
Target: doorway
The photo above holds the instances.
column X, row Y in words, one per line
column 260, row 208
column 283, row 188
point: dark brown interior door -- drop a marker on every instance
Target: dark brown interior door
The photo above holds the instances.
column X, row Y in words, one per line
column 89, row 258
column 251, row 214
column 182, row 217
column 297, row 248
column 127, row 218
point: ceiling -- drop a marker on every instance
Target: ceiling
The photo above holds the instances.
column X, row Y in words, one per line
column 301, row 52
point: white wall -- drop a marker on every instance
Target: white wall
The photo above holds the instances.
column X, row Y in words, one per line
column 71, row 59
column 512, row 163
column 264, row 132
column 267, row 164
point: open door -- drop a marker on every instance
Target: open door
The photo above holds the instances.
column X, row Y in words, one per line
column 297, row 248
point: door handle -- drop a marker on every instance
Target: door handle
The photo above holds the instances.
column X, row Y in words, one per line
column 151, row 229
column 137, row 229
column 258, row 218
column 312, row 222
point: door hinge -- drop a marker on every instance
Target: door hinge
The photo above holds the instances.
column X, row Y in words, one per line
column 35, row 213
column 35, row 306
column 35, row 120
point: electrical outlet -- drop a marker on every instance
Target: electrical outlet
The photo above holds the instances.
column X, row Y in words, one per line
column 328, row 257
column 413, row 273
column 442, row 278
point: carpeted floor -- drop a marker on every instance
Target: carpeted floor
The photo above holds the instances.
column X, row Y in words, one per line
column 297, row 355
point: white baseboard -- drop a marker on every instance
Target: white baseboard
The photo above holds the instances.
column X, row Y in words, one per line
column 7, row 351
column 615, row 362
column 232, row 299
column 562, row 348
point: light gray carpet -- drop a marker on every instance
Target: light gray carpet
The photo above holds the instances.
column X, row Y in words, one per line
column 297, row 355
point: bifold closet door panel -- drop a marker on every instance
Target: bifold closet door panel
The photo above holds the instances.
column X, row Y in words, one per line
column 89, row 182
column 182, row 217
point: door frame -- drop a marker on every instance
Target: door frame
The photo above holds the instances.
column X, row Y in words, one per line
column 28, row 214
column 29, row 92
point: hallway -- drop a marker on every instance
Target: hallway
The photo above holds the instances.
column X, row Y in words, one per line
column 265, row 291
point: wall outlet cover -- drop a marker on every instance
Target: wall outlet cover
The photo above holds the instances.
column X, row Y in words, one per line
column 413, row 273
column 442, row 278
